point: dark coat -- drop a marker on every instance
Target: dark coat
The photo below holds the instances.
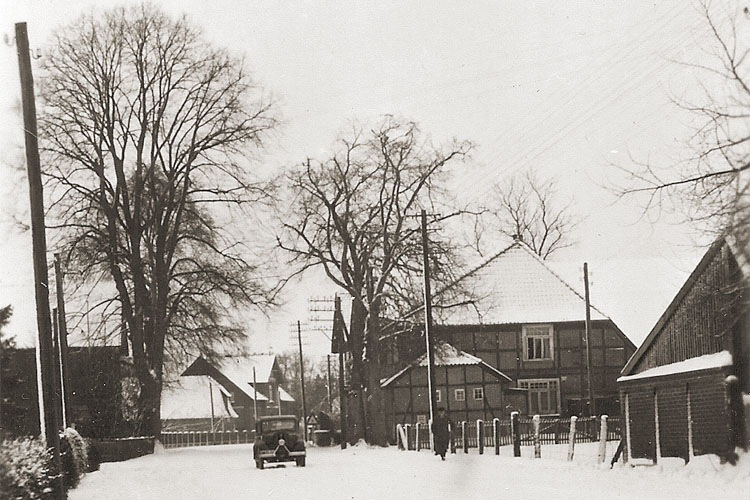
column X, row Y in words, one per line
column 441, row 434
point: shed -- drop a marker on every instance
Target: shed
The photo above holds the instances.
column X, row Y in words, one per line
column 681, row 391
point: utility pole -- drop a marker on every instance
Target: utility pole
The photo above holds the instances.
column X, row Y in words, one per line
column 338, row 344
column 39, row 248
column 211, row 397
column 428, row 319
column 255, row 399
column 328, row 385
column 590, row 407
column 62, row 330
column 302, row 381
column 58, row 367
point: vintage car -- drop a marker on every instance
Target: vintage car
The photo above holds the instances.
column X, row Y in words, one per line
column 278, row 439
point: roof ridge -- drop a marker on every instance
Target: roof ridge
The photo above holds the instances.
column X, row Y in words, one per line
column 559, row 278
column 686, row 287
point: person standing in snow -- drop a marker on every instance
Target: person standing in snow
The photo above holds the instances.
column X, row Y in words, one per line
column 441, row 433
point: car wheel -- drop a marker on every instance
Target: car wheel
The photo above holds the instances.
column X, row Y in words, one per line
column 301, row 462
column 259, row 464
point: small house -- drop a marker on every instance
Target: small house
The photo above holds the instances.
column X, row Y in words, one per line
column 681, row 391
column 467, row 387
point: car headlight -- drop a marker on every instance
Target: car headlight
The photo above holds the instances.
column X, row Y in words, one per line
column 282, row 442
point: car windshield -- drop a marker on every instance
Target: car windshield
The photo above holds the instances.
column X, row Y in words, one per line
column 280, row 425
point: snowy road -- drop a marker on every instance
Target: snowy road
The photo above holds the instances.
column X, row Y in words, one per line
column 361, row 473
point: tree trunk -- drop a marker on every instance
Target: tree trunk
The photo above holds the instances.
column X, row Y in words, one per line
column 356, row 398
column 376, row 432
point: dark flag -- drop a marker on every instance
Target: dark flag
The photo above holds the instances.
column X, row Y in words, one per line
column 338, row 339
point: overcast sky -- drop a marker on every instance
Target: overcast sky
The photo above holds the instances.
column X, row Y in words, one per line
column 571, row 89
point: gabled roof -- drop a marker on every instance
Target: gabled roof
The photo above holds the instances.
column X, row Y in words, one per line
column 192, row 397
column 516, row 286
column 241, row 367
column 239, row 371
column 447, row 355
column 672, row 307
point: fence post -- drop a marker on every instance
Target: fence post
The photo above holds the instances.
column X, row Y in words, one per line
column 657, row 455
column 496, row 434
column 572, row 438
column 452, row 434
column 399, row 437
column 464, row 437
column 480, row 436
column 407, row 427
column 603, row 440
column 537, row 441
column 516, row 431
column 418, row 443
column 690, row 426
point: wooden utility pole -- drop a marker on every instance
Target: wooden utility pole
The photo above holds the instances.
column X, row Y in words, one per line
column 39, row 248
column 211, row 398
column 59, row 410
column 302, row 381
column 591, row 406
column 328, row 385
column 255, row 398
column 428, row 319
column 338, row 347
column 62, row 329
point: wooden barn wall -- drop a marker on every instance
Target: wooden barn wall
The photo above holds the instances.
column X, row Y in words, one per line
column 701, row 323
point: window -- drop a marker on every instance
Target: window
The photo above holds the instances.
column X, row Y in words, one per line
column 437, row 396
column 537, row 342
column 421, row 419
column 544, row 395
column 478, row 393
column 460, row 395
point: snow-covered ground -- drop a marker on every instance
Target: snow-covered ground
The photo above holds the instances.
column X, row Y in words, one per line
column 361, row 472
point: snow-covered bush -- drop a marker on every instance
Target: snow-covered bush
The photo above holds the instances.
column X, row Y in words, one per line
column 74, row 457
column 25, row 470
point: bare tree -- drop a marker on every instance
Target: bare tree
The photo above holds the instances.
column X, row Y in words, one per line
column 710, row 186
column 146, row 130
column 352, row 215
column 523, row 207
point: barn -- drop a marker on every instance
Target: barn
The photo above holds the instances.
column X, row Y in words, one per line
column 681, row 391
column 467, row 387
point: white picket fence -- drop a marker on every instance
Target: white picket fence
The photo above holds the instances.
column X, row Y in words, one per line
column 540, row 436
column 178, row 439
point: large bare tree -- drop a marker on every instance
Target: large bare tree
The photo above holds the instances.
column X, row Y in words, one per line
column 147, row 132
column 353, row 215
column 709, row 187
column 527, row 208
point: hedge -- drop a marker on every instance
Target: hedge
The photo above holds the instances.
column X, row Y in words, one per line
column 25, row 470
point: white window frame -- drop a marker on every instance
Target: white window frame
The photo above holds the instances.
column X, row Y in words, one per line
column 524, row 384
column 527, row 333
column 437, row 396
column 462, row 392
column 481, row 393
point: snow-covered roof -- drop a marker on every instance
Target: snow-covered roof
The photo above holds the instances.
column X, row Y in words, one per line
column 446, row 355
column 192, row 397
column 516, row 286
column 241, row 367
column 705, row 362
